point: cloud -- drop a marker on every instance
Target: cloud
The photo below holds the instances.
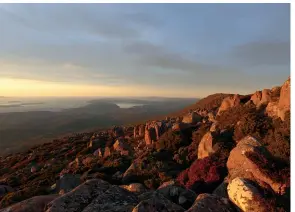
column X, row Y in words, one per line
column 263, row 53
column 165, row 47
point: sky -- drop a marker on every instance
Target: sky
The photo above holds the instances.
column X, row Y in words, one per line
column 172, row 50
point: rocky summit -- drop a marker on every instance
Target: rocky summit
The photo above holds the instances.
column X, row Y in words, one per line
column 227, row 152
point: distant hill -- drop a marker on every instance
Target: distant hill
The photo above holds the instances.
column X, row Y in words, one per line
column 23, row 129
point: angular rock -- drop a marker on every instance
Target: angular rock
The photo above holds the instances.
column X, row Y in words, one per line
column 229, row 102
column 192, row 118
column 246, row 196
column 239, row 165
column 79, row 198
column 205, row 147
column 115, row 199
column 256, row 97
column 149, row 135
column 212, row 203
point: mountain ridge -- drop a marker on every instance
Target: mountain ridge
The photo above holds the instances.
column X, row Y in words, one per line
column 226, row 152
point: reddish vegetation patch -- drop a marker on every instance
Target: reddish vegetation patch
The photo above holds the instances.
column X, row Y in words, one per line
column 247, row 120
column 203, row 174
column 172, row 140
column 278, row 171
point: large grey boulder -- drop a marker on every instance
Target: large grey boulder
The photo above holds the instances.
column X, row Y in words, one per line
column 79, row 198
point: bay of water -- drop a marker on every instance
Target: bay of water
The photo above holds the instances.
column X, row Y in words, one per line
column 25, row 104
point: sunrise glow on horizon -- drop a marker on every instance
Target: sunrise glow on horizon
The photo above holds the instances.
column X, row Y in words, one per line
column 142, row 49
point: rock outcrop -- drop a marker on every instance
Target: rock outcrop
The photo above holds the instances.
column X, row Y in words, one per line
column 192, row 118
column 229, row 102
column 246, row 196
column 240, row 164
column 282, row 106
column 206, row 145
column 194, row 160
column 81, row 196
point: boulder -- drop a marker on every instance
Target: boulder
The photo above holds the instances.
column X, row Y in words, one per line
column 229, row 102
column 149, row 135
column 212, row 203
column 205, row 147
column 81, row 196
column 240, row 165
column 192, row 118
column 136, row 188
column 246, row 196
column 256, row 97
column 157, row 202
column 114, row 199
column 177, row 194
column 34, row 204
column 67, row 183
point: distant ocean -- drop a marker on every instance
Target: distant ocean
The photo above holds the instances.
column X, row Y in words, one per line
column 25, row 104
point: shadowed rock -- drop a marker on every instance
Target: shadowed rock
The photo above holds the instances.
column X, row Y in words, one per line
column 34, row 204
column 212, row 203
column 115, row 199
column 77, row 199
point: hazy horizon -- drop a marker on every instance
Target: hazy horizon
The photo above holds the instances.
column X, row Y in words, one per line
column 142, row 50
